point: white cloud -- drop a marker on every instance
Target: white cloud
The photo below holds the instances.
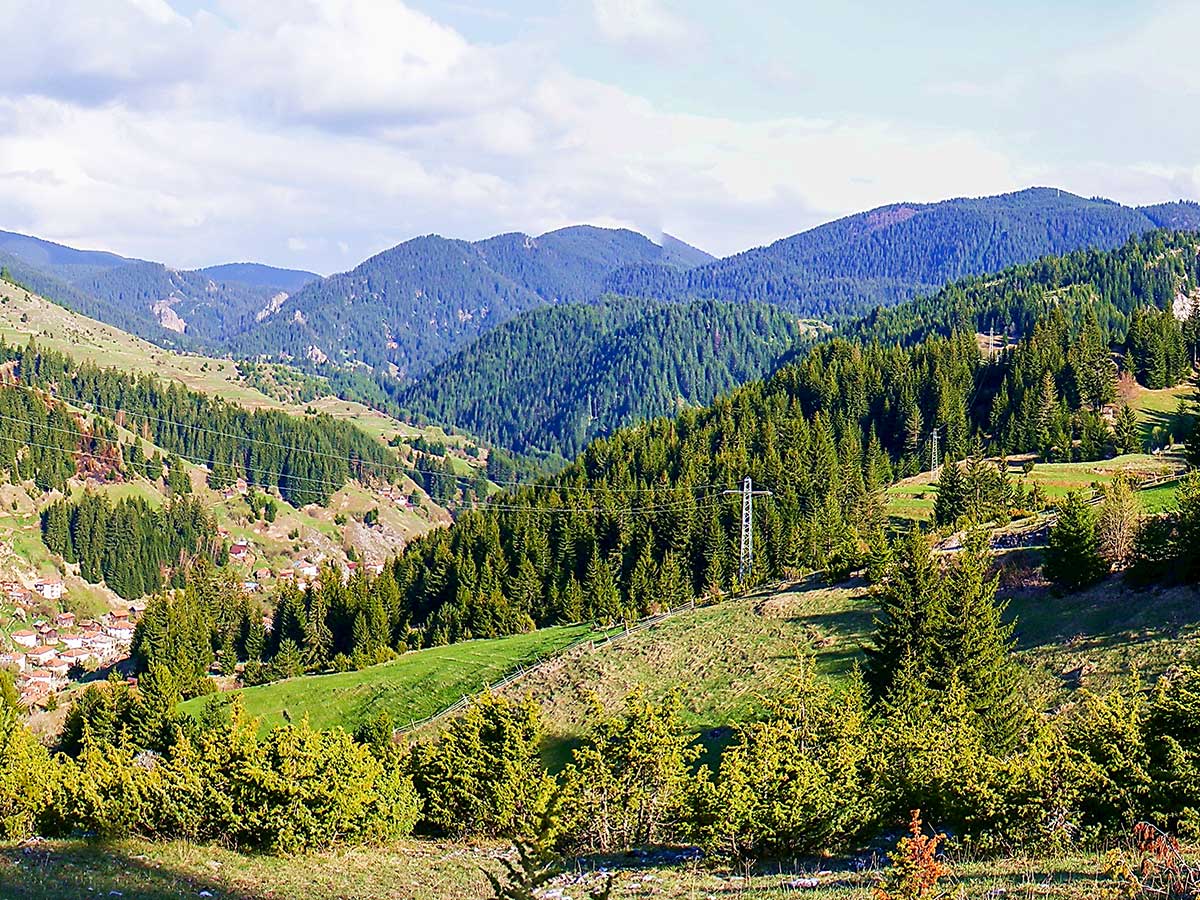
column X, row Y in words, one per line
column 642, row 24
column 316, row 132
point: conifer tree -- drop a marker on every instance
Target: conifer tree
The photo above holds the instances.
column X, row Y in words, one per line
column 976, row 644
column 1073, row 559
column 912, row 615
column 1127, row 434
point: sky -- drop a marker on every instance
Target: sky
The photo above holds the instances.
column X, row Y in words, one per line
column 314, row 133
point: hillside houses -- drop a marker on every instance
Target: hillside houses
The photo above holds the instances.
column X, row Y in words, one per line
column 44, row 657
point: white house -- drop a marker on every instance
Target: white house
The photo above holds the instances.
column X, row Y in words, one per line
column 25, row 638
column 50, row 588
column 121, row 632
column 39, row 656
column 77, row 657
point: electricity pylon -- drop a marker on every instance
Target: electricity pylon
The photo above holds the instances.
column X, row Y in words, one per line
column 746, row 560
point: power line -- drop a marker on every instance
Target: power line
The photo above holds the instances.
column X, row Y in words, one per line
column 463, row 480
column 679, row 505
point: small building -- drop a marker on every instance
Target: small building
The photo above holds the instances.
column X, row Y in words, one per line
column 77, row 656
column 65, row 620
column 25, row 638
column 71, row 641
column 39, row 656
column 250, row 587
column 103, row 644
column 13, row 661
column 121, row 632
column 57, row 666
column 239, row 551
column 262, row 573
column 50, row 588
column 306, row 569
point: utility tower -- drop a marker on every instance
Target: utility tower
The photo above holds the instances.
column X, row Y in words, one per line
column 746, row 560
column 934, row 459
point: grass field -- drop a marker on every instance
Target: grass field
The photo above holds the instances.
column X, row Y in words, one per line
column 435, row 870
column 1158, row 409
column 726, row 661
column 913, row 498
column 411, row 687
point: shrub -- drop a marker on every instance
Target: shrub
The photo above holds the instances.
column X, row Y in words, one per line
column 27, row 777
column 630, row 784
column 795, row 782
column 483, row 775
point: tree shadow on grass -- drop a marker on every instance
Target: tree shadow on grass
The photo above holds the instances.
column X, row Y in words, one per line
column 54, row 870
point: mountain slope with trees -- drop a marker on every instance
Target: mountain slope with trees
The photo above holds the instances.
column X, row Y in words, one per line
column 175, row 308
column 410, row 307
column 896, row 252
column 550, row 381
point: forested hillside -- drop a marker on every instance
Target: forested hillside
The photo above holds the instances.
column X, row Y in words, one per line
column 410, row 307
column 638, row 521
column 550, row 381
column 306, row 459
column 896, row 252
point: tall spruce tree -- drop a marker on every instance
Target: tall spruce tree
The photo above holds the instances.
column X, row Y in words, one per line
column 1073, row 558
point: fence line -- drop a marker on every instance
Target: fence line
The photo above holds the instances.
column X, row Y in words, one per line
column 612, row 636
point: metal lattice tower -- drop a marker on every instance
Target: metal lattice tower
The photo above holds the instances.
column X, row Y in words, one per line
column 933, row 456
column 746, row 560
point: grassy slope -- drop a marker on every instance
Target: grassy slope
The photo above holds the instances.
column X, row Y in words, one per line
column 24, row 315
column 410, row 687
column 428, row 870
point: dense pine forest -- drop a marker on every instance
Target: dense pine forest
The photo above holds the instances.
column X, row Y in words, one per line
column 132, row 547
column 549, row 382
column 891, row 254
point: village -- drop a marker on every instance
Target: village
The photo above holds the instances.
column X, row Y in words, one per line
column 47, row 652
column 47, row 647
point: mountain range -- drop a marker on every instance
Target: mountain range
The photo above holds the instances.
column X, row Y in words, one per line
column 415, row 315
column 194, row 309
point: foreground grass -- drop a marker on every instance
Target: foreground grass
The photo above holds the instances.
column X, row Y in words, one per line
column 431, row 870
column 411, row 687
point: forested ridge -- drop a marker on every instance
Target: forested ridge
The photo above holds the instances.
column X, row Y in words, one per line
column 306, row 458
column 550, row 381
column 412, row 306
column 891, row 254
column 133, row 294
